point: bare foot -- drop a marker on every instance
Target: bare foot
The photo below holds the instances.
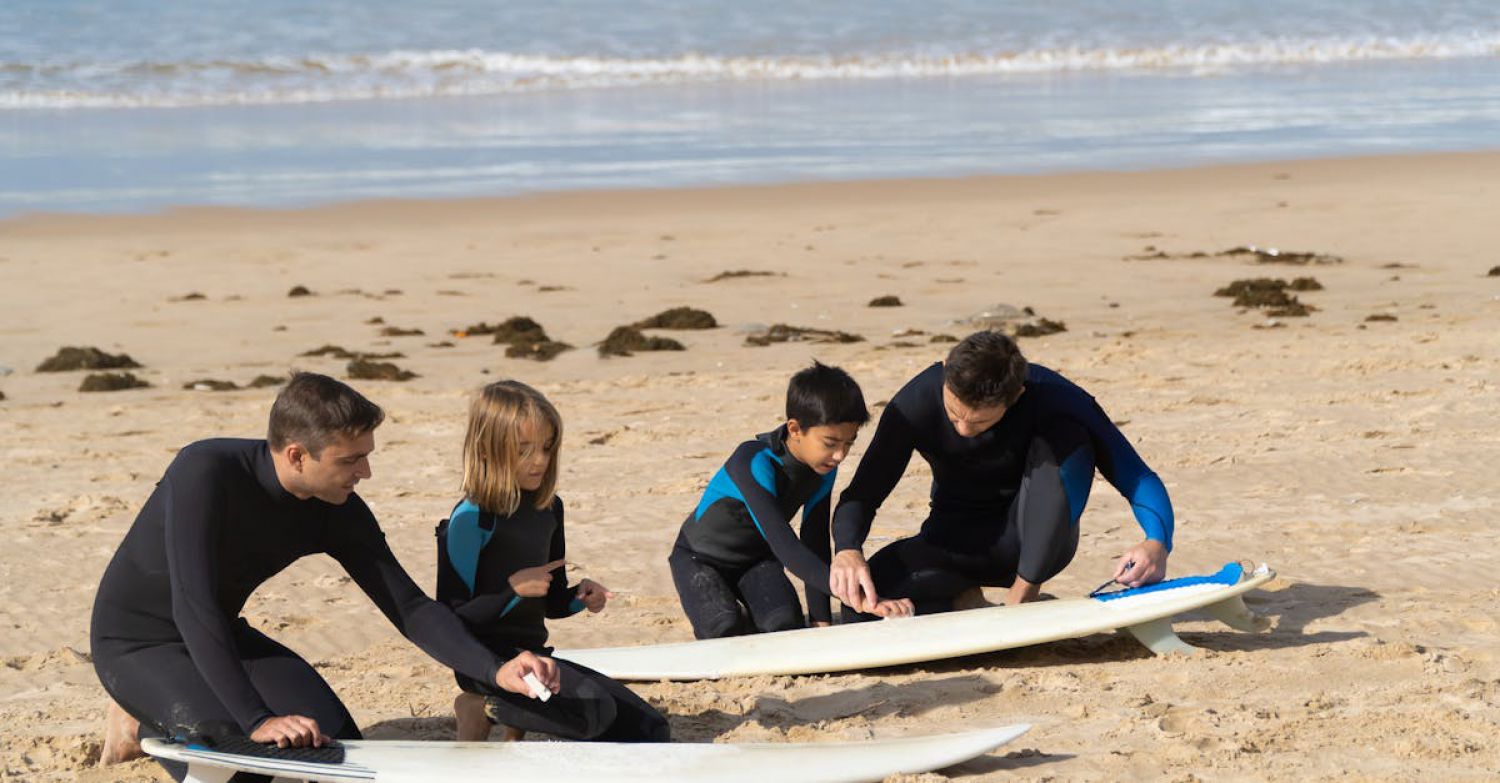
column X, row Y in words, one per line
column 973, row 598
column 473, row 724
column 121, row 742
column 511, row 734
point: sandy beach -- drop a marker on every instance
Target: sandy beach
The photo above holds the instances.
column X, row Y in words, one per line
column 1355, row 456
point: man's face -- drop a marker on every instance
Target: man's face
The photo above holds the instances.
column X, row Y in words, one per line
column 823, row 447
column 969, row 422
column 344, row 462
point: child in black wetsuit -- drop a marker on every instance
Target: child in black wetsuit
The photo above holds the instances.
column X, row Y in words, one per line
column 730, row 558
column 501, row 567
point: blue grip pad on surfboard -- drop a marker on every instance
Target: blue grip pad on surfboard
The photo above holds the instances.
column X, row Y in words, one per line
column 1230, row 574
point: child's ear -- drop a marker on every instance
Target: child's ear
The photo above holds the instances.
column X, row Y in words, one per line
column 793, row 428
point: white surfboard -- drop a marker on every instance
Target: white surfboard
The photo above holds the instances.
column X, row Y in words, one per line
column 603, row 762
column 1145, row 612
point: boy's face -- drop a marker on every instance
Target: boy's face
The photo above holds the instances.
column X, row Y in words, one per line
column 823, row 447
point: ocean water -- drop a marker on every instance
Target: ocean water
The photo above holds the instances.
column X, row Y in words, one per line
column 144, row 104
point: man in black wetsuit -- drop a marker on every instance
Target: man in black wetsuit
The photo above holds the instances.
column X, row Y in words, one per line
column 1013, row 448
column 168, row 643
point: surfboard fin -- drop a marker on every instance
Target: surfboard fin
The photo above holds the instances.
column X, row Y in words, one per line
column 1159, row 638
column 203, row 773
column 1234, row 613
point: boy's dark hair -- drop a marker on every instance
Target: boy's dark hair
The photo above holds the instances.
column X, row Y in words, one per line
column 985, row 369
column 312, row 409
column 822, row 395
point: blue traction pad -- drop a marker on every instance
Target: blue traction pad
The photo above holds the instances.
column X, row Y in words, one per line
column 1230, row 574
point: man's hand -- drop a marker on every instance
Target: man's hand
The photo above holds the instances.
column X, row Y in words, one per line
column 849, row 580
column 290, row 731
column 593, row 595
column 1143, row 564
column 894, row 607
column 511, row 675
column 533, row 582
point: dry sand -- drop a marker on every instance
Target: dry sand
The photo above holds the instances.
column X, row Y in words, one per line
column 1357, row 458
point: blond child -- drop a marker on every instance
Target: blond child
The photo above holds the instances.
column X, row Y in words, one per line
column 501, row 567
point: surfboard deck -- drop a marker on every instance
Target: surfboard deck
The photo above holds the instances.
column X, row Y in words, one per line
column 1144, row 612
column 603, row 762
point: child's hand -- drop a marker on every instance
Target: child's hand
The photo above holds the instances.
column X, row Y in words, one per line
column 593, row 595
column 533, row 582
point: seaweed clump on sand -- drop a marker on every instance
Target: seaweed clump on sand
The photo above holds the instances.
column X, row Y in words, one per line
column 782, row 333
column 523, row 336
column 736, row 273
column 1379, row 317
column 885, row 301
column 86, row 358
column 340, row 352
column 365, row 370
column 943, row 338
column 1271, row 255
column 1014, row 321
column 625, row 340
column 111, row 381
column 1271, row 295
column 262, row 381
column 528, row 340
column 396, row 331
column 1494, row 271
column 1259, row 255
column 541, row 350
column 2, row 396
column 211, row 384
column 299, row 290
column 678, row 318
column 1041, row 327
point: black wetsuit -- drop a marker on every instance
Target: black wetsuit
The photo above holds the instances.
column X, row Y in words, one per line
column 733, row 548
column 168, row 643
column 1004, row 502
column 477, row 553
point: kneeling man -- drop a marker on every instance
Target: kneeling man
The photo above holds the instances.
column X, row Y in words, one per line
column 168, row 642
column 1013, row 448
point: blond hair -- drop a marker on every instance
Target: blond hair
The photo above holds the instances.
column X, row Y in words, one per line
column 492, row 446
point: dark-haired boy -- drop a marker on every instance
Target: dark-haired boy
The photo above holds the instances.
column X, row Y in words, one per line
column 730, row 559
column 1013, row 448
column 167, row 640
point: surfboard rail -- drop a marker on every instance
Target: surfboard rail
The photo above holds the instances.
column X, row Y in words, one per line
column 388, row 761
column 1145, row 613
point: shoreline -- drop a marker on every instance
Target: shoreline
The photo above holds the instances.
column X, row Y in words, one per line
column 648, row 198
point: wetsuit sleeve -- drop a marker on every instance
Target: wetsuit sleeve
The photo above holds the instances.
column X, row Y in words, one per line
column 1128, row 473
column 192, row 513
column 879, row 470
column 487, row 608
column 756, row 490
column 359, row 546
column 465, row 543
column 562, row 600
column 815, row 538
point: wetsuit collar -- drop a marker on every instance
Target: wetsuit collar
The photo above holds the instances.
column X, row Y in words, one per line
column 265, row 473
column 775, row 440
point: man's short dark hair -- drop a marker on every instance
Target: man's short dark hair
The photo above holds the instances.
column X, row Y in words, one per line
column 821, row 395
column 313, row 409
column 985, row 369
